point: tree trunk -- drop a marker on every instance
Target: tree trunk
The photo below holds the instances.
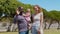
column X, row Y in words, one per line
column 58, row 25
column 50, row 24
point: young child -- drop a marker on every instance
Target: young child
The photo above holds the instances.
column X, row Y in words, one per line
column 27, row 16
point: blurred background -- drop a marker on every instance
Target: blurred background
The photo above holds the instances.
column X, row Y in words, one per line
column 51, row 11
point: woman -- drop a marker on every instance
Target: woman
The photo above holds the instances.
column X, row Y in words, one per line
column 37, row 26
column 21, row 22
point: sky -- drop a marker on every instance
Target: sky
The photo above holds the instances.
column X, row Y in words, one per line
column 46, row 4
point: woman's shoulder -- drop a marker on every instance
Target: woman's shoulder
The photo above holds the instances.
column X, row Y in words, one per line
column 41, row 13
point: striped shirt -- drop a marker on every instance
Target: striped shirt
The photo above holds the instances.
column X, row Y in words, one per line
column 21, row 22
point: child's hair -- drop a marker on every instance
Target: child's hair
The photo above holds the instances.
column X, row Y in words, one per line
column 28, row 9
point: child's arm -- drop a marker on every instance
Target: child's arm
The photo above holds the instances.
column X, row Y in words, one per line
column 27, row 14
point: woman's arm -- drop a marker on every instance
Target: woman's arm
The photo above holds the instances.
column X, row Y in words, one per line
column 41, row 20
column 41, row 24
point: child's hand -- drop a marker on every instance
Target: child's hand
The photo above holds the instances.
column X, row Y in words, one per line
column 30, row 27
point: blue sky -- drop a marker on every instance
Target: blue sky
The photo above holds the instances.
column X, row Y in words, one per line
column 46, row 4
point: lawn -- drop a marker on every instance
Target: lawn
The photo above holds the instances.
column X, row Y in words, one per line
column 9, row 33
column 50, row 31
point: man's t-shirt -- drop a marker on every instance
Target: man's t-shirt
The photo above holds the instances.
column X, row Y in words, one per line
column 21, row 22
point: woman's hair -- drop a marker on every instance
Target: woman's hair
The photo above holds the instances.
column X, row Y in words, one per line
column 39, row 8
column 20, row 9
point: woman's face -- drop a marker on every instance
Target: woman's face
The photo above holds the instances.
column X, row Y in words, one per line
column 36, row 8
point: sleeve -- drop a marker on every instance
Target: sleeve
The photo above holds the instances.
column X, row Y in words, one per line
column 19, row 18
column 14, row 20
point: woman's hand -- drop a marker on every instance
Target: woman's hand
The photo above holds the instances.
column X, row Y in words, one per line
column 38, row 31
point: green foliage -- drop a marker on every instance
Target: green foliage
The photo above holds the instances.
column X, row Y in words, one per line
column 8, row 7
column 53, row 15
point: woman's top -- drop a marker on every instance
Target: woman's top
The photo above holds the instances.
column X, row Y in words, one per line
column 37, row 20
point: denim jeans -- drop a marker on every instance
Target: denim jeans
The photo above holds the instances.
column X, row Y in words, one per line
column 24, row 32
column 34, row 30
column 27, row 32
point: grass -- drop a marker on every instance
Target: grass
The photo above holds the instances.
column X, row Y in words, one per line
column 9, row 33
column 50, row 31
